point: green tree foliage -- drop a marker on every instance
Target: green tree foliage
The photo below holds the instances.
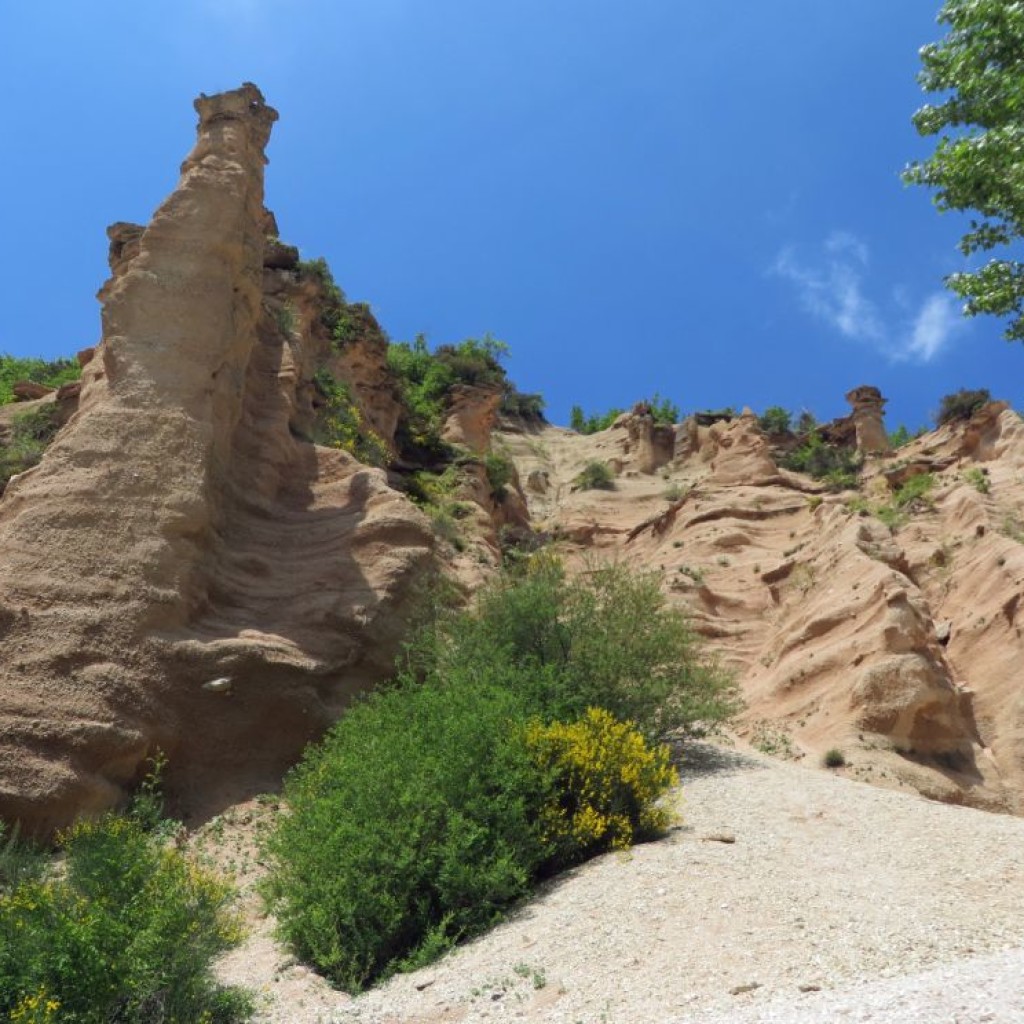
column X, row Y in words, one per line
column 805, row 422
column 899, row 437
column 52, row 374
column 584, row 424
column 435, row 804
column 662, row 411
column 978, row 69
column 961, row 405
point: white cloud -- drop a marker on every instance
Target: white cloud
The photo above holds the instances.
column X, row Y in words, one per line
column 842, row 243
column 937, row 322
column 833, row 290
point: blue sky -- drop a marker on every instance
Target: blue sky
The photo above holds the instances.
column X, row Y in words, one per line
column 697, row 199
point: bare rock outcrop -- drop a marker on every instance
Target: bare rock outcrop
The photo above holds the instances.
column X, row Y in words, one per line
column 650, row 445
column 471, row 416
column 181, row 531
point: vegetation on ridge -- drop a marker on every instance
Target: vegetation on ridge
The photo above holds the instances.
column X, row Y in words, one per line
column 30, row 434
column 661, row 410
column 39, row 371
column 961, row 405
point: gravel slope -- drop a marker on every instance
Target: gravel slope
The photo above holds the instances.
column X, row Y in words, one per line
column 832, row 901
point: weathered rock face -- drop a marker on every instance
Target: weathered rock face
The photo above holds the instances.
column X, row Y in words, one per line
column 899, row 646
column 180, row 530
column 471, row 415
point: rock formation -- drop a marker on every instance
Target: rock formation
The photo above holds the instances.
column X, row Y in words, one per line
column 896, row 645
column 182, row 529
column 868, row 419
column 207, row 561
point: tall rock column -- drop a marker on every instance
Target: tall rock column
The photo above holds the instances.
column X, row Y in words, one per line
column 868, row 420
column 181, row 571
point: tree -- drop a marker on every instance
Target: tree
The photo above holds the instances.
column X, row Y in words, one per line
column 978, row 163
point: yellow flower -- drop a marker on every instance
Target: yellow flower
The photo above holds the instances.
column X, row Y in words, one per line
column 607, row 782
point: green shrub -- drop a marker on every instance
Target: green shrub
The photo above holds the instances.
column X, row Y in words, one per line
column 595, row 476
column 774, row 420
column 52, row 374
column 475, row 362
column 529, row 407
column 834, row 758
column 425, row 380
column 837, row 466
column 408, row 829
column 499, row 471
column 606, row 639
column 961, row 405
column 340, row 423
column 127, row 932
column 430, row 807
column 31, row 434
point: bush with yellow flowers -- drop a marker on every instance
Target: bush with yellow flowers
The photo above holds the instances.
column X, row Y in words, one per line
column 520, row 737
column 126, row 930
column 605, row 781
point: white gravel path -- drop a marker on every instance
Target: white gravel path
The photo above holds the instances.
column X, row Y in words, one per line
column 835, row 902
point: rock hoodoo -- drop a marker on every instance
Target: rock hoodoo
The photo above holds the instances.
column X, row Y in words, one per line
column 182, row 529
column 868, row 420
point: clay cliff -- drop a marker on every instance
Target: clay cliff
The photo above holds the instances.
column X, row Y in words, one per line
column 186, row 569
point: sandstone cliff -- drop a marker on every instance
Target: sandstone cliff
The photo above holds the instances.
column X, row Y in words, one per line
column 186, row 569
